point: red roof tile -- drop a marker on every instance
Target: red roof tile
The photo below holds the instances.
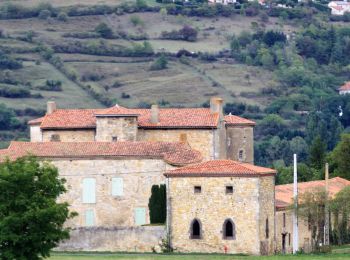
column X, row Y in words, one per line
column 116, row 110
column 36, row 121
column 345, row 87
column 168, row 118
column 70, row 118
column 173, row 153
column 220, row 168
column 284, row 193
column 236, row 120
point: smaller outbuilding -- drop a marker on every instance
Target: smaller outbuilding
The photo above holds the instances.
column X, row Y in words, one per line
column 345, row 89
column 221, row 206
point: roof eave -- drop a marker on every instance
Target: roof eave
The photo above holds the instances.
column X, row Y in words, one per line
column 243, row 175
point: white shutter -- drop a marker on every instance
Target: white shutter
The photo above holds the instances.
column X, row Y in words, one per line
column 89, row 190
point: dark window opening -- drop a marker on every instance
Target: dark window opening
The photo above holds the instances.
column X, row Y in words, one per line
column 289, row 239
column 197, row 189
column 309, row 222
column 195, row 229
column 267, row 228
column 229, row 189
column 284, row 220
column 240, row 155
column 55, row 138
column 114, row 138
column 229, row 230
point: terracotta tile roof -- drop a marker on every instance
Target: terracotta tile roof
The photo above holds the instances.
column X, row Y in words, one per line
column 284, row 193
column 36, row 121
column 70, row 118
column 220, row 168
column 236, row 120
column 173, row 153
column 168, row 118
column 117, row 110
column 345, row 87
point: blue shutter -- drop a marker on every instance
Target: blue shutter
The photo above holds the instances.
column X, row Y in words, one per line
column 89, row 218
column 89, row 190
column 117, row 187
column 140, row 216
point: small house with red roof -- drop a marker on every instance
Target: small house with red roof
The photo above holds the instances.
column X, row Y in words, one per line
column 345, row 89
column 284, row 198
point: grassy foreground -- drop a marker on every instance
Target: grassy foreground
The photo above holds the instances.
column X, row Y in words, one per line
column 106, row 256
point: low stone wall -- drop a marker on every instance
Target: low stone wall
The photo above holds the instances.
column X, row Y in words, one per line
column 125, row 239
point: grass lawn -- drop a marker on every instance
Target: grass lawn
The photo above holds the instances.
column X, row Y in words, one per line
column 62, row 256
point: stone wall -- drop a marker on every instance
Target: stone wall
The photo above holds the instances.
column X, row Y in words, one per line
column 240, row 138
column 199, row 139
column 87, row 135
column 116, row 129
column 130, row 239
column 35, row 133
column 267, row 214
column 287, row 231
column 110, row 211
column 212, row 207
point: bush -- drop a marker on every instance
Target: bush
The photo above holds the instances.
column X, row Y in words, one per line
column 91, row 76
column 6, row 62
column 44, row 14
column 187, row 33
column 62, row 16
column 160, row 63
column 136, row 20
column 52, row 85
column 124, row 95
column 14, row 92
column 104, row 30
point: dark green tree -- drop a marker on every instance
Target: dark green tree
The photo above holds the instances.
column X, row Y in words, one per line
column 160, row 63
column 341, row 157
column 157, row 204
column 317, row 153
column 31, row 219
column 104, row 30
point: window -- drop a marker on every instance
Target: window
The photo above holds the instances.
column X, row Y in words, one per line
column 240, row 155
column 289, row 239
column 89, row 218
column 196, row 232
column 140, row 216
column 55, row 138
column 229, row 189
column 89, row 190
column 117, row 187
column 114, row 138
column 284, row 220
column 197, row 189
column 267, row 228
column 229, row 231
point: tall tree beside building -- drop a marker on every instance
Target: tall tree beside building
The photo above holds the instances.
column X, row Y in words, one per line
column 157, row 204
column 340, row 157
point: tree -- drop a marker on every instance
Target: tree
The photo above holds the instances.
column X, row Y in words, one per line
column 157, row 204
column 341, row 157
column 311, row 209
column 31, row 219
column 160, row 63
column 317, row 154
column 104, row 30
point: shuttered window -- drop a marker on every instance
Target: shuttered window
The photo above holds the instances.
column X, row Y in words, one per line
column 117, row 187
column 89, row 218
column 140, row 216
column 89, row 190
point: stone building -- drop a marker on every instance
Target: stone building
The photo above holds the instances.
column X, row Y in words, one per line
column 284, row 216
column 112, row 157
column 221, row 206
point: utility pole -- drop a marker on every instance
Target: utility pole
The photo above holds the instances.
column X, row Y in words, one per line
column 295, row 215
column 326, row 220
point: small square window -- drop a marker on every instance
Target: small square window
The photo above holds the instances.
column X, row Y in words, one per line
column 197, row 189
column 114, row 138
column 229, row 189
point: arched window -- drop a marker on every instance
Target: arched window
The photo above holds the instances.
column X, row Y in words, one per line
column 196, row 229
column 267, row 231
column 229, row 230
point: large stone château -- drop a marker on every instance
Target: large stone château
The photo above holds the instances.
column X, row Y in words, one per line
column 112, row 157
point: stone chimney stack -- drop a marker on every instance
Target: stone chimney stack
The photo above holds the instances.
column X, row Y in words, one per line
column 216, row 106
column 154, row 114
column 51, row 107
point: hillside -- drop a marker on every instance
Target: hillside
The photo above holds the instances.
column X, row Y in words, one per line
column 262, row 60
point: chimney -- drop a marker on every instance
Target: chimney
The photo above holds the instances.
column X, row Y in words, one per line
column 51, row 107
column 216, row 106
column 154, row 114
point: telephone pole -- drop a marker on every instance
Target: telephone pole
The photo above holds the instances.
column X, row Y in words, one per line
column 295, row 215
column 326, row 220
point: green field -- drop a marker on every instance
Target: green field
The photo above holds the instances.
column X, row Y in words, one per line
column 339, row 256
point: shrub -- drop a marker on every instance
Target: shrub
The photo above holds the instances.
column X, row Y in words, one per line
column 44, row 14
column 124, row 95
column 62, row 16
column 104, row 30
column 52, row 85
column 187, row 33
column 91, row 76
column 14, row 92
column 136, row 20
column 160, row 63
